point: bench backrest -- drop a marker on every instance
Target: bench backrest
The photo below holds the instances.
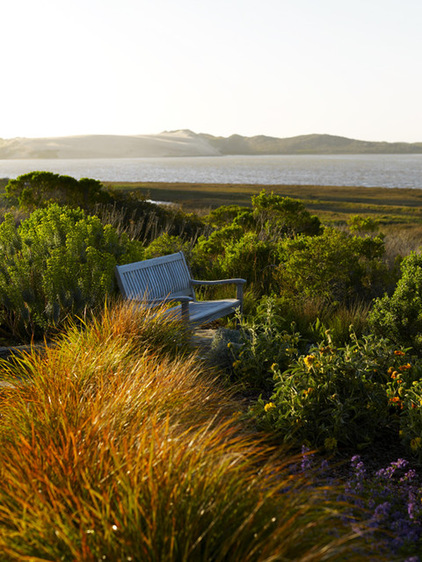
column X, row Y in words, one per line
column 155, row 278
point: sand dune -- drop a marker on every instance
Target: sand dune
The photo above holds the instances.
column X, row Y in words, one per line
column 176, row 143
column 187, row 143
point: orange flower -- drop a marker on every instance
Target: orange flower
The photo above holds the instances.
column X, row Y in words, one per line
column 405, row 367
column 399, row 352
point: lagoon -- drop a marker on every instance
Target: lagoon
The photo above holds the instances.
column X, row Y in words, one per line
column 366, row 170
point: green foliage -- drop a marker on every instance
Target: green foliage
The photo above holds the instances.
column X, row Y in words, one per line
column 230, row 252
column 313, row 316
column 335, row 266
column 213, row 246
column 334, row 397
column 284, row 215
column 59, row 261
column 40, row 189
column 399, row 316
column 404, row 391
column 357, row 223
column 407, row 396
column 259, row 347
column 226, row 214
column 250, row 258
column 165, row 244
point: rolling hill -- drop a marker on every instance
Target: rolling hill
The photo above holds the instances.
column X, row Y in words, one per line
column 188, row 143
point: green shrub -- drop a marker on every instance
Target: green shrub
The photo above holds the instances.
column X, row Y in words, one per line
column 165, row 244
column 40, row 189
column 231, row 252
column 335, row 267
column 357, row 223
column 57, row 262
column 404, row 391
column 399, row 316
column 334, row 397
column 257, row 348
column 225, row 214
column 283, row 216
column 313, row 316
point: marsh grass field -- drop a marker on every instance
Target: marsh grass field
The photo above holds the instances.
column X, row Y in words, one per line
column 331, row 203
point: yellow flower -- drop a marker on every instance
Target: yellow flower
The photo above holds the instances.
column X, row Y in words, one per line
column 399, row 352
column 274, row 366
column 309, row 361
column 416, row 443
column 394, row 374
column 236, row 364
column 269, row 406
column 330, row 443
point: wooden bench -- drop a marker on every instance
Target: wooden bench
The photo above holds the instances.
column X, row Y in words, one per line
column 167, row 279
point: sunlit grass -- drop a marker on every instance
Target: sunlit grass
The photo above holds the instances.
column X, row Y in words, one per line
column 117, row 444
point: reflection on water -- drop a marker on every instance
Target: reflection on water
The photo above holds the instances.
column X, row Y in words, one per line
column 375, row 170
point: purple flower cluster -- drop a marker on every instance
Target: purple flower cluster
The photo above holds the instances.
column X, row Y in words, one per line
column 392, row 500
column 385, row 506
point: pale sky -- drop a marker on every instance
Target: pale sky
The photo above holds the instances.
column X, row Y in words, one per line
column 274, row 67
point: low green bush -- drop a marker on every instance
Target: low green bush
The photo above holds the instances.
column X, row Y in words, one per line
column 283, row 216
column 251, row 352
column 335, row 267
column 39, row 189
column 164, row 245
column 399, row 316
column 313, row 316
column 56, row 263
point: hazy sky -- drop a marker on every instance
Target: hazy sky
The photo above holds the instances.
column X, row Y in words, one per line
column 273, row 67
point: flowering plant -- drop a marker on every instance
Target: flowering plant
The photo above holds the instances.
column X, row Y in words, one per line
column 337, row 397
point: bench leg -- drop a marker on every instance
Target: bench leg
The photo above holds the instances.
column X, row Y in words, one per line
column 185, row 313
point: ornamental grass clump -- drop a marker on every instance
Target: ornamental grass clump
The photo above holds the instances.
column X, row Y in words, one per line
column 115, row 445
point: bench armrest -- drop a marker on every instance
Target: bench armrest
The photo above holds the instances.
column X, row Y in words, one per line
column 218, row 282
column 236, row 281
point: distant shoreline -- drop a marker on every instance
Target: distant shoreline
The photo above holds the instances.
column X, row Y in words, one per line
column 370, row 170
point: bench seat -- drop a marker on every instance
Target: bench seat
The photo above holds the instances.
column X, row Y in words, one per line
column 200, row 312
column 167, row 279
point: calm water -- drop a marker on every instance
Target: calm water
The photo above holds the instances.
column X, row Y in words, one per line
column 348, row 170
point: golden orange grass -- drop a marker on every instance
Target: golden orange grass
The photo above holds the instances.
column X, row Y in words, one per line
column 113, row 450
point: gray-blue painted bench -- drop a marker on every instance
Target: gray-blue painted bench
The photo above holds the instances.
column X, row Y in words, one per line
column 167, row 279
